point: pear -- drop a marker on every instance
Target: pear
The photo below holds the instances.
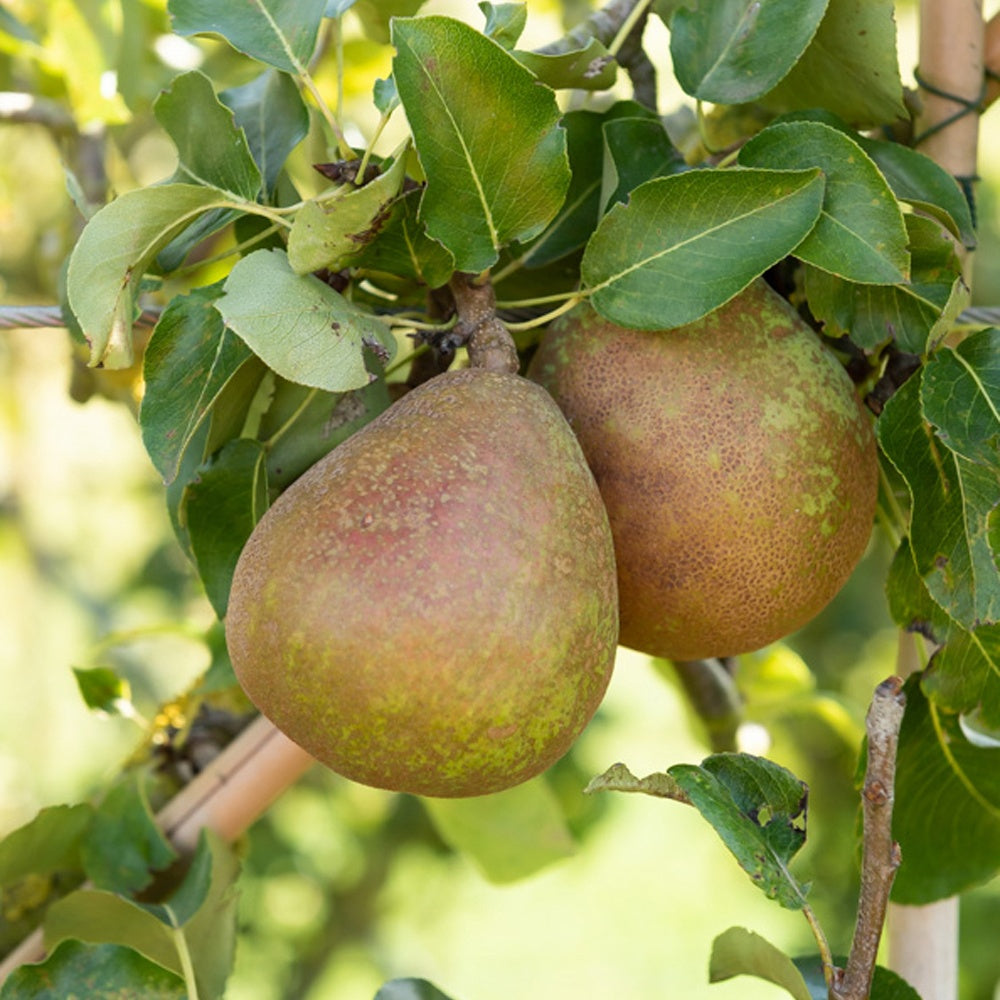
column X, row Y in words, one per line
column 432, row 607
column 736, row 462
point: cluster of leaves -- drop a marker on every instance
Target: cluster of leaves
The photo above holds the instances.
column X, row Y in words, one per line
column 104, row 934
column 253, row 374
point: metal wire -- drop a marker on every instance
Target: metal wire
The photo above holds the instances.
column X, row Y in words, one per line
column 20, row 317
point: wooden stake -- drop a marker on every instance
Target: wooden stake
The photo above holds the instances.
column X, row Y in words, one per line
column 951, row 63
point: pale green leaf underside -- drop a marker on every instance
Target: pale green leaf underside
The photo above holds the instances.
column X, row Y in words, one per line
column 740, row 952
column 297, row 325
column 115, row 249
column 509, row 835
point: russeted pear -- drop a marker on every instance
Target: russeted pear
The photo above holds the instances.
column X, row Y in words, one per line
column 432, row 607
column 737, row 465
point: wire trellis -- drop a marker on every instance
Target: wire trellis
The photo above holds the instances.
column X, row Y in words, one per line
column 20, row 317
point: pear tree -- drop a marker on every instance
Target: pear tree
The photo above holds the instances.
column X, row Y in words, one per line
column 520, row 351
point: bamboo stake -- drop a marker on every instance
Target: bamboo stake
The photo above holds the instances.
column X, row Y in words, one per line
column 232, row 792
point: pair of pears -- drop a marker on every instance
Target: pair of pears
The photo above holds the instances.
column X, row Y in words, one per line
column 434, row 607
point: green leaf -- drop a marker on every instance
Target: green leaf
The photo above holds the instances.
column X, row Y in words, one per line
column 157, row 932
column 404, row 249
column 376, row 16
column 189, row 360
column 636, row 150
column 410, row 989
column 739, row 952
column 910, row 603
column 913, row 313
column 281, row 33
column 47, row 844
column 509, row 835
column 964, row 675
column 758, row 809
column 684, row 245
column 578, row 217
column 926, row 185
column 274, row 119
column 734, row 51
column 321, row 421
column 224, row 503
column 94, row 971
column 238, row 406
column 124, row 846
column 504, row 22
column 960, row 395
column 99, row 917
column 618, row 778
column 112, row 254
column 487, row 137
column 591, row 67
column 385, row 95
column 332, row 231
column 886, row 985
column 860, row 235
column 202, row 913
column 211, row 149
column 102, row 689
column 298, row 325
column 952, row 502
column 172, row 256
column 947, row 805
column 849, row 68
column 176, row 491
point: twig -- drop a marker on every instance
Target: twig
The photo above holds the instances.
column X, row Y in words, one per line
column 232, row 792
column 880, row 853
column 711, row 689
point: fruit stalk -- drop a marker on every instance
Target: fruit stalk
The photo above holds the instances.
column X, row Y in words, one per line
column 490, row 345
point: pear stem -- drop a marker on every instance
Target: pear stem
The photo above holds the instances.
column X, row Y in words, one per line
column 490, row 345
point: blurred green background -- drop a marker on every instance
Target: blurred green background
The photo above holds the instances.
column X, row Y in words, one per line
column 344, row 886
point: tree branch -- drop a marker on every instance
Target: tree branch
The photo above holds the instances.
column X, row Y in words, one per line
column 880, row 853
column 711, row 689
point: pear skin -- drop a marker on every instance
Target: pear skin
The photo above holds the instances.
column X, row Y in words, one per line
column 737, row 464
column 432, row 607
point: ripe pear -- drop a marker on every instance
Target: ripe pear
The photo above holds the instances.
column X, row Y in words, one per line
column 432, row 607
column 736, row 462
